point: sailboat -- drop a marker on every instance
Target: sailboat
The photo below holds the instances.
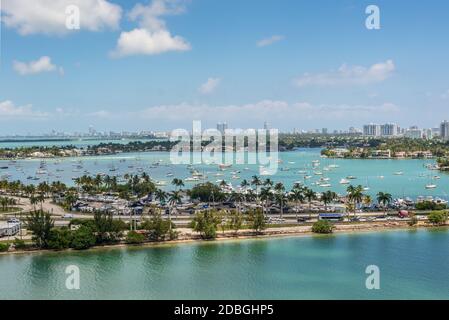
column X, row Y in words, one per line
column 366, row 187
column 431, row 185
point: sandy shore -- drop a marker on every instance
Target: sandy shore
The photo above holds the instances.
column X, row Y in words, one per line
column 189, row 236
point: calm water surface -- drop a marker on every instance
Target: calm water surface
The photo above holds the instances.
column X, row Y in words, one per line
column 413, row 265
column 378, row 175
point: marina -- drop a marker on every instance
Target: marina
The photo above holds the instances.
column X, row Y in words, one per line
column 305, row 166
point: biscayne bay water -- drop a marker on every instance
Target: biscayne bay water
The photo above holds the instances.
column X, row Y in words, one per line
column 413, row 265
column 378, row 175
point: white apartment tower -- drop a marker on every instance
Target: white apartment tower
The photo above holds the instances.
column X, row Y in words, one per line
column 372, row 130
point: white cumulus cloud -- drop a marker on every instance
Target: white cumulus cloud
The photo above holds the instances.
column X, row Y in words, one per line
column 269, row 41
column 349, row 75
column 144, row 42
column 278, row 112
column 152, row 35
column 40, row 65
column 9, row 111
column 209, row 86
column 49, row 17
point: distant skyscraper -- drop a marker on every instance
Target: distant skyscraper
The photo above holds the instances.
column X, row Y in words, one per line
column 389, row 130
column 414, row 133
column 354, row 130
column 266, row 126
column 222, row 126
column 324, row 131
column 444, row 130
column 92, row 131
column 372, row 130
column 428, row 134
column 436, row 132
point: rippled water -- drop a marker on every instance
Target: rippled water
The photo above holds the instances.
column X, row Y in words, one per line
column 413, row 264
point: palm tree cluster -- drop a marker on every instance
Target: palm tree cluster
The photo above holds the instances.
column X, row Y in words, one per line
column 264, row 193
column 6, row 203
column 134, row 185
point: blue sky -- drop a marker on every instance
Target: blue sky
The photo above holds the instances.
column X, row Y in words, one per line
column 158, row 65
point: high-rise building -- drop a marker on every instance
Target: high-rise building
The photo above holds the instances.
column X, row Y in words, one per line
column 222, row 126
column 414, row 133
column 389, row 130
column 92, row 131
column 266, row 126
column 435, row 132
column 444, row 130
column 324, row 131
column 372, row 130
column 428, row 134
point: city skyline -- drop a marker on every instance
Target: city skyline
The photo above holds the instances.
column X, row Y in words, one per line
column 389, row 129
column 150, row 64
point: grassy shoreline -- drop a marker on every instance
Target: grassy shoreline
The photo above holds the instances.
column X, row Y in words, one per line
column 248, row 234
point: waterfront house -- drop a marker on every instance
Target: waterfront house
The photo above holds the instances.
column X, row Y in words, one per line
column 382, row 154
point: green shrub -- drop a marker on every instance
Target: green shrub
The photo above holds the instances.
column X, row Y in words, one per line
column 60, row 238
column 430, row 205
column 173, row 234
column 83, row 238
column 157, row 227
column 134, row 238
column 322, row 226
column 257, row 220
column 4, row 247
column 19, row 244
column 206, row 224
column 437, row 217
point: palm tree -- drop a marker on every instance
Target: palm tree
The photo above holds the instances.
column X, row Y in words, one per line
column 223, row 183
column 244, row 183
column 237, row 198
column 355, row 195
column 268, row 182
column 161, row 196
column 174, row 199
column 266, row 195
column 98, row 181
column 384, row 199
column 34, row 201
column 297, row 196
column 145, row 177
column 367, row 200
column 297, row 185
column 310, row 196
column 256, row 182
column 250, row 196
column 280, row 196
column 178, row 183
column 327, row 197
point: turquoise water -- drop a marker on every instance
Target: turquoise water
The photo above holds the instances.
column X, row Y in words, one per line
column 378, row 175
column 80, row 143
column 413, row 265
